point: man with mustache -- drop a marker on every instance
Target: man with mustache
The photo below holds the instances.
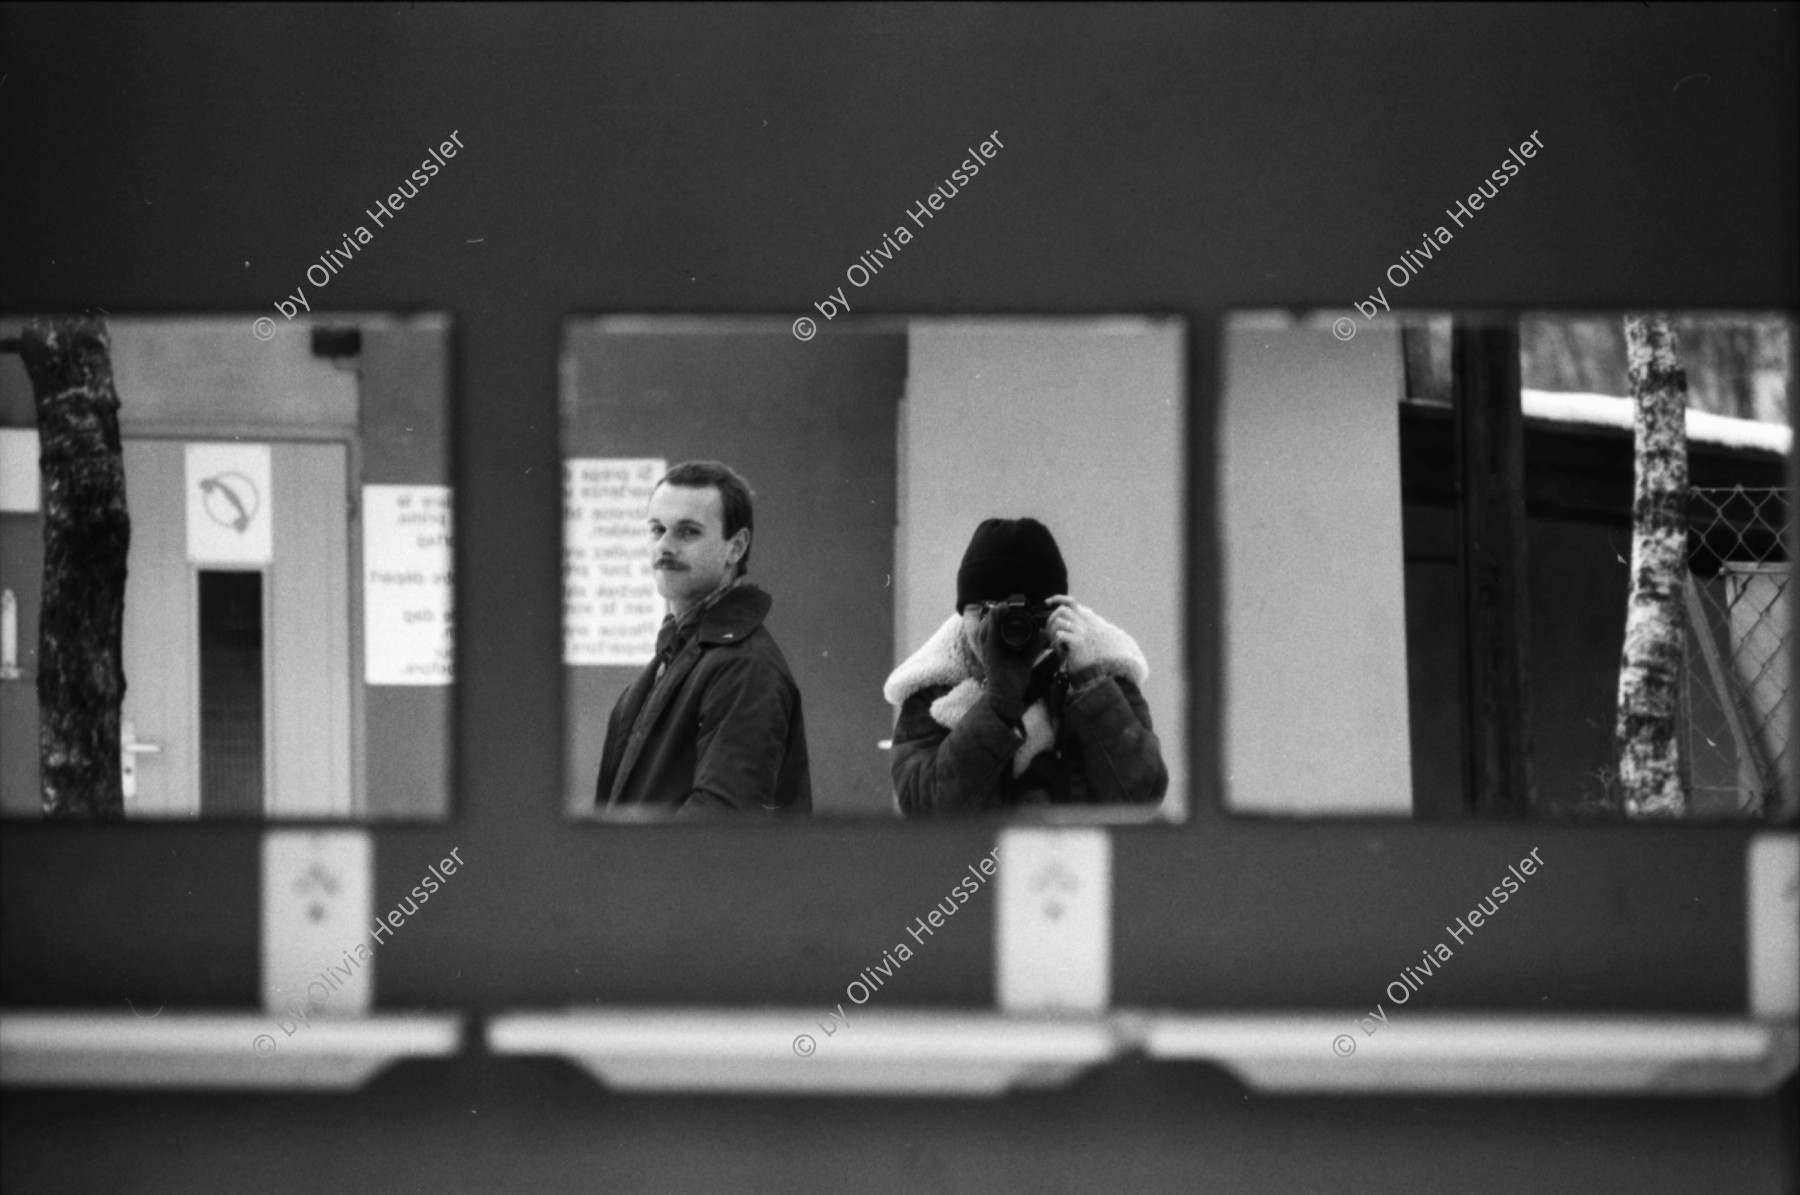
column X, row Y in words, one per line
column 1024, row 697
column 713, row 723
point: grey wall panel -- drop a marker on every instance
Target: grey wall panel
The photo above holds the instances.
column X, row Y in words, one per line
column 308, row 661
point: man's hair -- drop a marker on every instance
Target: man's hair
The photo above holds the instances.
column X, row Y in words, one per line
column 734, row 496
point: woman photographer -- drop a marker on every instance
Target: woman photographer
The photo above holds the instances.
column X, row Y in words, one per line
column 1024, row 697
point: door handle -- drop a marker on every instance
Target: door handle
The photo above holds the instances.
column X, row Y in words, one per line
column 9, row 637
column 129, row 750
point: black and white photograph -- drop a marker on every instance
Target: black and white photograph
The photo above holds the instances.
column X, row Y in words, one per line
column 1569, row 603
column 898, row 486
column 902, row 597
column 245, row 550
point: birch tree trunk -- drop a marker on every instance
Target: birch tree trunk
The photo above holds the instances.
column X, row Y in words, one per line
column 1650, row 670
column 87, row 532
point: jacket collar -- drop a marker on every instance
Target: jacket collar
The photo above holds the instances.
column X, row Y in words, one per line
column 944, row 660
column 738, row 612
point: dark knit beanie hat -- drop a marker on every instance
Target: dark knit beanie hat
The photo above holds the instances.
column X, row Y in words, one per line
column 1008, row 556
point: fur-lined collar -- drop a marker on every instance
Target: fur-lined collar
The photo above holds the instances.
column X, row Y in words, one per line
column 945, row 660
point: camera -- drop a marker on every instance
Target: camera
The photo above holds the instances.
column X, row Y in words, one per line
column 1016, row 623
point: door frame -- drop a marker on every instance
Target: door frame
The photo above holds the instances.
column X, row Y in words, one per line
column 189, row 431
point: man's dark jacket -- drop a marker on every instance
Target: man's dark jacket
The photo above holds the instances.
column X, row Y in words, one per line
column 1087, row 745
column 721, row 732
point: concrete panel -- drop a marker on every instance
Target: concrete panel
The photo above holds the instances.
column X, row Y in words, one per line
column 162, row 670
column 213, row 372
column 309, row 646
column 1315, row 604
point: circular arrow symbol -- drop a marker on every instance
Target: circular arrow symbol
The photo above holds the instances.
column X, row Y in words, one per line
column 230, row 500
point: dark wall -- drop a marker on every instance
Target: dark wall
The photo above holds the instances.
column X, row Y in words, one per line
column 735, row 160
column 22, row 571
column 1575, row 594
column 404, row 424
column 1132, row 1127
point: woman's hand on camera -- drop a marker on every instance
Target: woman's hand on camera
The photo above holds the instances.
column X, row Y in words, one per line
column 1008, row 673
column 1073, row 630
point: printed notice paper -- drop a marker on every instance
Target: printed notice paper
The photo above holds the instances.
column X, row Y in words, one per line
column 407, row 623
column 611, row 610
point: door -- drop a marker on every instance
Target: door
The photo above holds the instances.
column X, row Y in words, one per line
column 236, row 636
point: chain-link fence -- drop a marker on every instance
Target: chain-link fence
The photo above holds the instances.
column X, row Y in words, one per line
column 1735, row 710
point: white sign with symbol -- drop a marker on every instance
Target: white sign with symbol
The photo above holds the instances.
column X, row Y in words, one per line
column 408, row 546
column 1054, row 920
column 228, row 489
column 611, row 610
column 317, row 900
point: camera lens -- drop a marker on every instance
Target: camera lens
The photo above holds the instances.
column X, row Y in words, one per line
column 1016, row 628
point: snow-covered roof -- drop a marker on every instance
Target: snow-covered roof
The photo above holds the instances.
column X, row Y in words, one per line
column 1604, row 410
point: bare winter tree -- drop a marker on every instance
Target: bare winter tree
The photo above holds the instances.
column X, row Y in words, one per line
column 87, row 532
column 1650, row 670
